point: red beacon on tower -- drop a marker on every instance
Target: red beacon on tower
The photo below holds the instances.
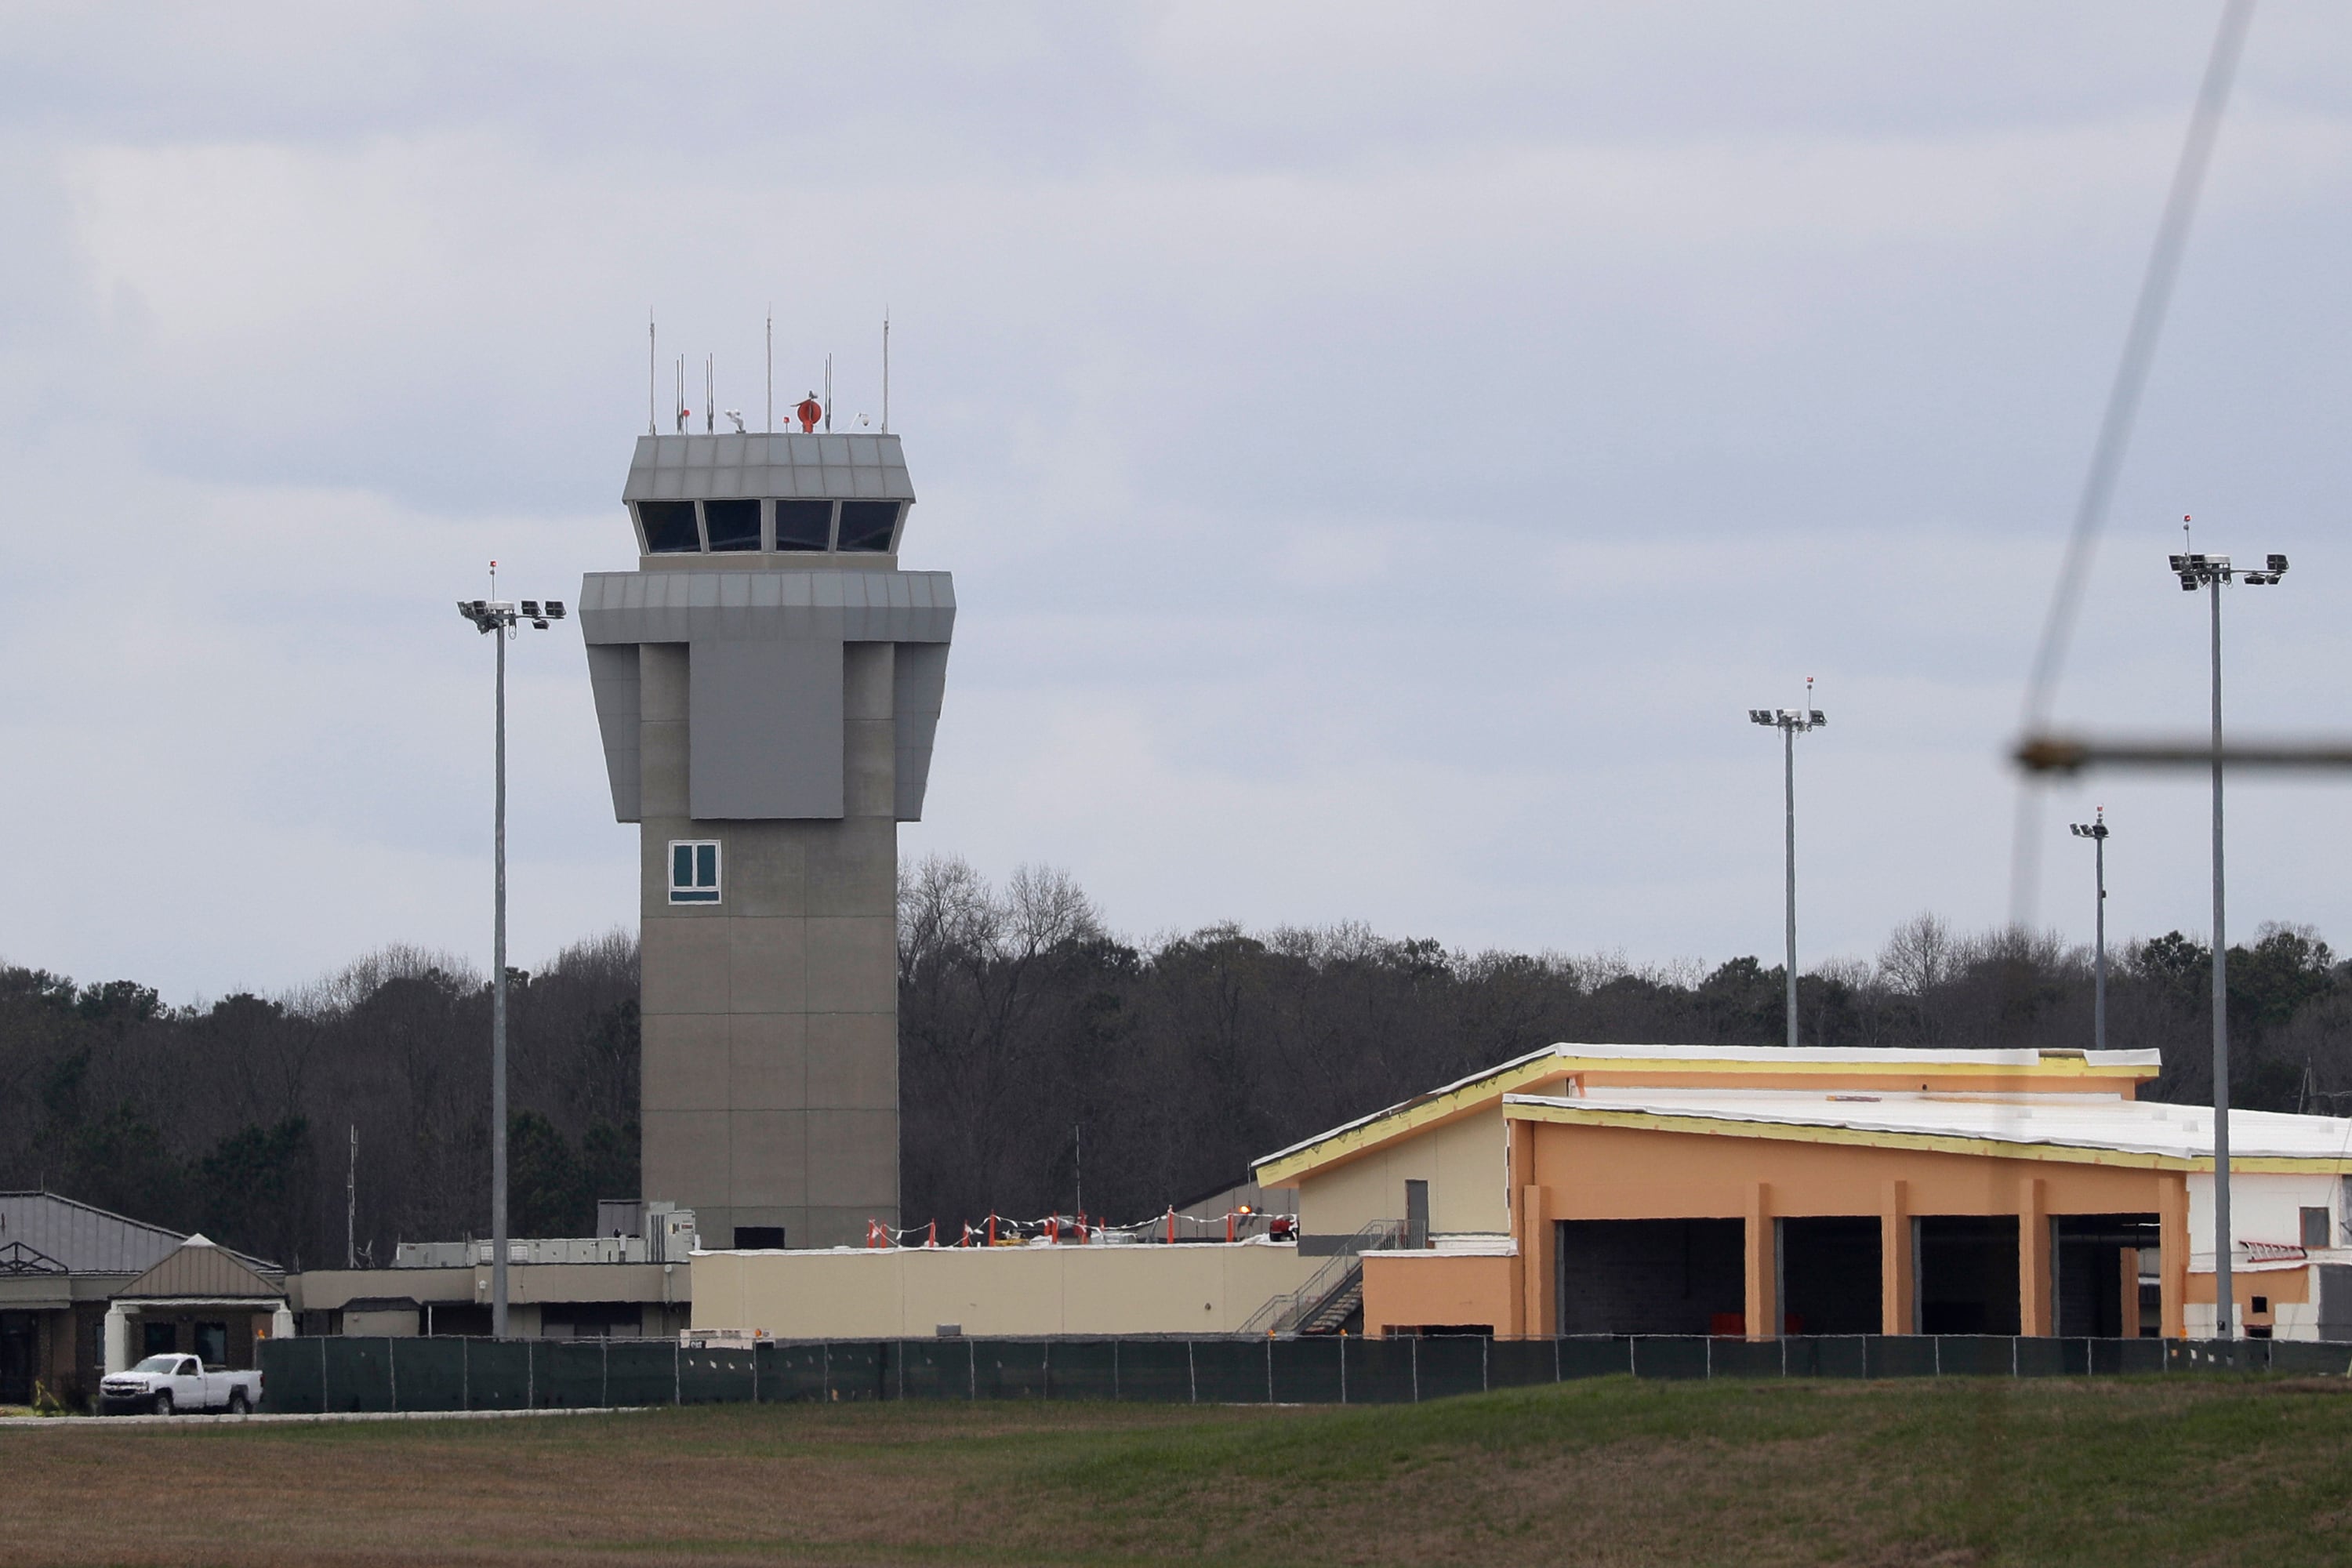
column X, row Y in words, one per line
column 809, row 412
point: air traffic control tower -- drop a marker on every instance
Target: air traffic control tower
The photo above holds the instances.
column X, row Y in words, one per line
column 768, row 682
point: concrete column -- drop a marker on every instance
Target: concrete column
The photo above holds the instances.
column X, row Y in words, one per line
column 2128, row 1261
column 1894, row 1257
column 281, row 1324
column 1763, row 1305
column 2172, row 1271
column 1537, row 1313
column 2033, row 1256
column 117, row 1338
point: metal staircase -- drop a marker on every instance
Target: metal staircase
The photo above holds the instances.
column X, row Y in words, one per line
column 1333, row 1294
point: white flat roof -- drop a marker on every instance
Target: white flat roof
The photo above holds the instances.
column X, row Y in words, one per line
column 1770, row 1056
column 1844, row 1056
column 2082, row 1121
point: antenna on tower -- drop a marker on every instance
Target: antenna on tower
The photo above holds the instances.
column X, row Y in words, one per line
column 709, row 394
column 652, row 428
column 885, row 370
column 828, row 392
column 772, row 371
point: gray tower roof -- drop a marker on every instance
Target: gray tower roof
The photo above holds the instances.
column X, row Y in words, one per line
column 709, row 467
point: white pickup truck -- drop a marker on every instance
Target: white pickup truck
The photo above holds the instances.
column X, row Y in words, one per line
column 165, row 1383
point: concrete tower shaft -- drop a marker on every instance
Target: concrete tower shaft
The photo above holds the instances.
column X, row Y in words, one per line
column 767, row 683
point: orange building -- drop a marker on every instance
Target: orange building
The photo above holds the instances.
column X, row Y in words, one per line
column 1754, row 1191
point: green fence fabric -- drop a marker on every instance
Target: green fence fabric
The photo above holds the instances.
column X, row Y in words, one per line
column 787, row 1374
column 858, row 1369
column 1159, row 1371
column 356, row 1376
column 1458, row 1363
column 1084, row 1369
column 573, row 1375
column 451, row 1373
column 1675, row 1355
column 1307, row 1371
column 2127, row 1357
column 1594, row 1355
column 1009, row 1369
column 2306, row 1359
column 1232, row 1372
column 1843, row 1356
column 1900, row 1355
column 293, row 1374
column 934, row 1368
column 716, row 1375
column 1514, row 1363
column 1379, row 1371
column 425, row 1376
column 496, row 1373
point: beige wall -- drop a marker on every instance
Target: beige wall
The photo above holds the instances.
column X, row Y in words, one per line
column 1465, row 1164
column 770, row 1020
column 1089, row 1289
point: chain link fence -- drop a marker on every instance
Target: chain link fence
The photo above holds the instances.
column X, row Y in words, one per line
column 313, row 1375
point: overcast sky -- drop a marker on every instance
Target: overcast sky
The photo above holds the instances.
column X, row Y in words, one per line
column 1382, row 452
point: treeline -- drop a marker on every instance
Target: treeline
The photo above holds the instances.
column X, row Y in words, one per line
column 1047, row 1063
column 237, row 1118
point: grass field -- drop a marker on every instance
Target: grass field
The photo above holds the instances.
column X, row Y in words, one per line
column 2178, row 1470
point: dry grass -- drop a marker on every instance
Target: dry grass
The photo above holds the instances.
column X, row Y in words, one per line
column 1611, row 1472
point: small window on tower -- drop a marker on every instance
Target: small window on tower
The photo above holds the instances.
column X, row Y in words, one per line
column 804, row 525
column 733, row 524
column 669, row 527
column 868, row 525
column 2315, row 1228
column 693, row 872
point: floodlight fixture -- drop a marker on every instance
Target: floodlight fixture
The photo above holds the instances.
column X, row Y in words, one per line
column 501, row 618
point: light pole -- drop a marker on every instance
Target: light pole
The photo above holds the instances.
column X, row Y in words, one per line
column 500, row 619
column 2210, row 571
column 2095, row 830
column 1792, row 722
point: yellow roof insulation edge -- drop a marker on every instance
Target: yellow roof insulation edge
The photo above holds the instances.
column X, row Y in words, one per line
column 1277, row 1170
column 1458, row 1099
column 1934, row 1142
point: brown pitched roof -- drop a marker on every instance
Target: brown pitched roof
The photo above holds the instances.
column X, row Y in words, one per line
column 200, row 1268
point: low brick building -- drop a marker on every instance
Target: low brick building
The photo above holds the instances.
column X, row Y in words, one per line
column 82, row 1289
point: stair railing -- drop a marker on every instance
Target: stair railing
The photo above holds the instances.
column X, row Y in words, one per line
column 1283, row 1313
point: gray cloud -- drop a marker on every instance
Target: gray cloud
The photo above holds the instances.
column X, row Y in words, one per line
column 1382, row 457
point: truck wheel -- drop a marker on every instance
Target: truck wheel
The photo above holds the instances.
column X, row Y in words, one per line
column 238, row 1404
column 162, row 1402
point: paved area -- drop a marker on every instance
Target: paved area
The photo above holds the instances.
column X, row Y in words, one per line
column 110, row 1423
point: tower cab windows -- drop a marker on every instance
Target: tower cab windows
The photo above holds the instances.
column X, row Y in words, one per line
column 735, row 524
column 693, row 871
column 868, row 525
column 670, row 528
column 804, row 525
